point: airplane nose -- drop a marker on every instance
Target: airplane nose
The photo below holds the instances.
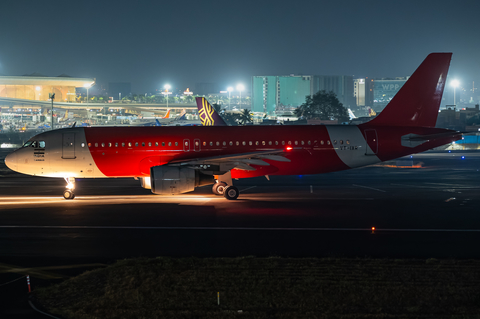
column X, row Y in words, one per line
column 11, row 161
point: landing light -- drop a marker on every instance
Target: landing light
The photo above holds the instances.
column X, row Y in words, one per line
column 289, row 148
column 70, row 186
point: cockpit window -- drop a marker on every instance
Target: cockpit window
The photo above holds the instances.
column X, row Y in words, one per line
column 35, row 144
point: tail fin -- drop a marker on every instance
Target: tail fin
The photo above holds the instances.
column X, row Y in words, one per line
column 418, row 101
column 182, row 115
column 167, row 115
column 207, row 113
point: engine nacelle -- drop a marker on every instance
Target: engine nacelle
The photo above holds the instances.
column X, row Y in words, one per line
column 170, row 180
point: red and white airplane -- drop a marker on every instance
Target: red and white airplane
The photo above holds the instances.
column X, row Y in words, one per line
column 175, row 160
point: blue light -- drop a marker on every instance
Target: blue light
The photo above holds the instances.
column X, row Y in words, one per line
column 411, row 156
column 449, row 151
column 463, row 157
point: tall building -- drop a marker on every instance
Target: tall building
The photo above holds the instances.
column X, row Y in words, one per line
column 363, row 92
column 274, row 94
column 341, row 85
column 384, row 91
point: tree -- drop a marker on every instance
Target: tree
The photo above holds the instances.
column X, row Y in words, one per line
column 324, row 106
column 245, row 117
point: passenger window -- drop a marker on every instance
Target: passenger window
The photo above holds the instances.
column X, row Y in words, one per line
column 83, row 144
column 169, row 143
column 156, row 143
column 303, row 143
column 283, row 142
column 276, row 142
column 163, row 143
column 204, row 143
column 136, row 144
column 335, row 142
column 143, row 143
column 129, row 144
column 123, row 144
column 256, row 143
column 244, row 143
column 309, row 142
column 321, row 142
column 328, row 142
column 96, row 144
column 289, row 142
column 211, row 143
column 237, row 143
column 109, row 144
column 42, row 144
column 186, row 143
column 224, row 143
column 196, row 143
column 250, row 143
column 116, row 144
column 89, row 144
column 296, row 142
column 231, row 143
column 176, row 143
column 149, row 143
column 218, row 143
column 341, row 142
column 347, row 141
column 103, row 144
column 269, row 142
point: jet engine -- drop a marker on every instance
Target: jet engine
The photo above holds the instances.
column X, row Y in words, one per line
column 171, row 180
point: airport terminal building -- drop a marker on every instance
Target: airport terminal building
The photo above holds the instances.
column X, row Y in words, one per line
column 38, row 87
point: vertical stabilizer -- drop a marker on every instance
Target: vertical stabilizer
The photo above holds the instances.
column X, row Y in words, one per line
column 207, row 114
column 418, row 101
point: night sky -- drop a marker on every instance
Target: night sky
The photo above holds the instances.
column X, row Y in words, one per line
column 150, row 43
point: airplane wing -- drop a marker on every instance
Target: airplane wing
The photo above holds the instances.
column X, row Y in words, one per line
column 235, row 161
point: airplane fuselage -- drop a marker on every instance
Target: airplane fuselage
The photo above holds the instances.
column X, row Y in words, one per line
column 98, row 152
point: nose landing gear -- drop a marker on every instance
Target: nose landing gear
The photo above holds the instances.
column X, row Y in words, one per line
column 69, row 192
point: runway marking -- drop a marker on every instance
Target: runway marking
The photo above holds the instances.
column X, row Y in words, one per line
column 375, row 189
column 247, row 188
column 240, row 228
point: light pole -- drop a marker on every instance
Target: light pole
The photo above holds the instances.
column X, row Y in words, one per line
column 87, row 86
column 167, row 86
column 240, row 88
column 454, row 83
column 229, row 89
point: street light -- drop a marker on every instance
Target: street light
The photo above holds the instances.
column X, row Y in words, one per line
column 87, row 86
column 229, row 89
column 454, row 83
column 167, row 86
column 240, row 88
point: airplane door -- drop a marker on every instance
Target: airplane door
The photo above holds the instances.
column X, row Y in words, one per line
column 186, row 145
column 372, row 141
column 196, row 145
column 68, row 145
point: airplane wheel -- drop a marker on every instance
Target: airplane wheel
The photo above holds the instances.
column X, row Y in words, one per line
column 68, row 194
column 219, row 188
column 231, row 193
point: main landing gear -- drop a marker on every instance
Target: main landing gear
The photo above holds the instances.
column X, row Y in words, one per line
column 69, row 192
column 224, row 187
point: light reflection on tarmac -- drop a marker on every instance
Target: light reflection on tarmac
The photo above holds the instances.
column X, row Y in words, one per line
column 421, row 213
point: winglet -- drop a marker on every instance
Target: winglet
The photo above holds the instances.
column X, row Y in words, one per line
column 207, row 114
column 418, row 101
